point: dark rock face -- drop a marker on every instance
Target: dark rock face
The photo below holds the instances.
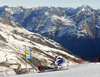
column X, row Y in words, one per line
column 82, row 47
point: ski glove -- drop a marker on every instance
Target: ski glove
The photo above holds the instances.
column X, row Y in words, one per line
column 53, row 63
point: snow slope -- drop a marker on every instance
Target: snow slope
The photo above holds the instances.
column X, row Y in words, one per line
column 82, row 70
column 13, row 38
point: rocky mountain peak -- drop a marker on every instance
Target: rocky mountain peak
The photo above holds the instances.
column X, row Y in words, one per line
column 84, row 7
column 5, row 6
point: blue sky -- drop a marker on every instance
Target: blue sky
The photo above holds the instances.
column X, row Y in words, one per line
column 57, row 3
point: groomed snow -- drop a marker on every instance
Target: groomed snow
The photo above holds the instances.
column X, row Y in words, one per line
column 82, row 70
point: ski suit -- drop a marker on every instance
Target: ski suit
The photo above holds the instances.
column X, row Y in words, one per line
column 60, row 62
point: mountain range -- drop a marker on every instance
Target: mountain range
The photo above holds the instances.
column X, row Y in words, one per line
column 76, row 29
column 14, row 38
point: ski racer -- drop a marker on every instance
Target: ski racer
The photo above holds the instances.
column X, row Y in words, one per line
column 59, row 63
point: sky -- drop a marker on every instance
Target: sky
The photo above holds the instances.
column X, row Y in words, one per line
column 95, row 4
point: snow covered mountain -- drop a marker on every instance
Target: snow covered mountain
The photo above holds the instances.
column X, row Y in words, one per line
column 13, row 38
column 77, row 29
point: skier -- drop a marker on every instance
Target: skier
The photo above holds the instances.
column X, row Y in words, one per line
column 58, row 62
